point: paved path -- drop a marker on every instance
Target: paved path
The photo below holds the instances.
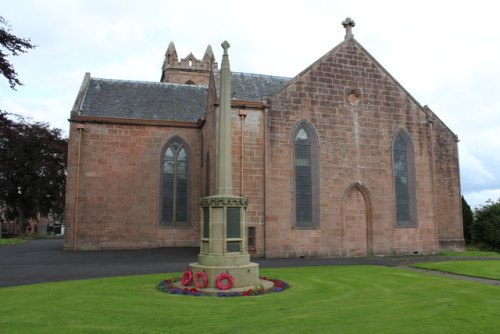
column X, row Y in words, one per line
column 455, row 276
column 45, row 260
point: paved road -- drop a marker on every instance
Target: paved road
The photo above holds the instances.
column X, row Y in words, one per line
column 45, row 260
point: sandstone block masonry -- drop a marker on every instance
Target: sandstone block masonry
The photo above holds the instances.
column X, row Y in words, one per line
column 353, row 112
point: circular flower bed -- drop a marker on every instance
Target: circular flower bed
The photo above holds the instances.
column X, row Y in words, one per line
column 168, row 286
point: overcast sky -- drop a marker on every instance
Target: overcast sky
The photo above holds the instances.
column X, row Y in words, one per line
column 445, row 53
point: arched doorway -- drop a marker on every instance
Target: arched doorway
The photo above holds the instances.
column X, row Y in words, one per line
column 357, row 221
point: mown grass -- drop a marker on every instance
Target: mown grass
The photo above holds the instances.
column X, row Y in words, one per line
column 12, row 241
column 471, row 251
column 342, row 299
column 484, row 269
column 23, row 238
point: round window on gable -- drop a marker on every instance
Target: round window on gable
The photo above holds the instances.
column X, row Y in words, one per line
column 353, row 97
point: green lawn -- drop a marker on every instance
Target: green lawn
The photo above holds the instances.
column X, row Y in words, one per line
column 484, row 269
column 24, row 238
column 341, row 299
column 11, row 241
column 471, row 252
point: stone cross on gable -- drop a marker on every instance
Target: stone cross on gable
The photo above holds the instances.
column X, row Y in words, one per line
column 348, row 24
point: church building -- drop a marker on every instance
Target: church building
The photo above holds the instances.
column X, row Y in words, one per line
column 339, row 160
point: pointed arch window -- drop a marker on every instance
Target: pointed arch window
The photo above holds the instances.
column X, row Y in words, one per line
column 404, row 180
column 306, row 176
column 175, row 194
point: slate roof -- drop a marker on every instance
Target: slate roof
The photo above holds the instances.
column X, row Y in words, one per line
column 144, row 100
column 253, row 87
column 168, row 101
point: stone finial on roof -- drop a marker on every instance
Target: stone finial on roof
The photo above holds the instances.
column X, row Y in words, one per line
column 171, row 54
column 209, row 54
column 348, row 24
column 209, row 58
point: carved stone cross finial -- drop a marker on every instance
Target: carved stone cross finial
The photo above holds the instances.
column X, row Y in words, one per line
column 348, row 24
column 225, row 45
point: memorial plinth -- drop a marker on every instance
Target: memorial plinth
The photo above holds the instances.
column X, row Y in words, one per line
column 223, row 246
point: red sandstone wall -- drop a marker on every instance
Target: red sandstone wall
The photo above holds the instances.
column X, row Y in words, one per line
column 449, row 208
column 355, row 148
column 119, row 187
column 182, row 77
column 252, row 184
column 119, row 190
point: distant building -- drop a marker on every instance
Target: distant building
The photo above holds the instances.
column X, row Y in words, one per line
column 338, row 161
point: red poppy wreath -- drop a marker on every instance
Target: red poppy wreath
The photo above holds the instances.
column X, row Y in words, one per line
column 224, row 281
column 187, row 277
column 201, row 280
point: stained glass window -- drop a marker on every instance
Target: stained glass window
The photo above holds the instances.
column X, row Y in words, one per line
column 306, row 201
column 401, row 179
column 403, row 173
column 303, row 186
column 175, row 194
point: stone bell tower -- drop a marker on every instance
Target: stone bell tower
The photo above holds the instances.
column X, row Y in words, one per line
column 189, row 70
column 223, row 240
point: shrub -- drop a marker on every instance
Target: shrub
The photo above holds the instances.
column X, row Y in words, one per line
column 486, row 227
column 468, row 219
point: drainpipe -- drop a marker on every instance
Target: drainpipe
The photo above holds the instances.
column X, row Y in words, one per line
column 80, row 128
column 265, row 110
column 243, row 115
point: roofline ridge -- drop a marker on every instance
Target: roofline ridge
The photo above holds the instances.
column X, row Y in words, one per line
column 396, row 82
column 319, row 60
column 149, row 82
column 262, row 75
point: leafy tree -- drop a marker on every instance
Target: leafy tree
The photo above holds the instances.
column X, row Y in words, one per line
column 32, row 169
column 468, row 219
column 11, row 45
column 486, row 227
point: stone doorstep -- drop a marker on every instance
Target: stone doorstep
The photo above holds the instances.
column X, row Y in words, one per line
column 213, row 292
